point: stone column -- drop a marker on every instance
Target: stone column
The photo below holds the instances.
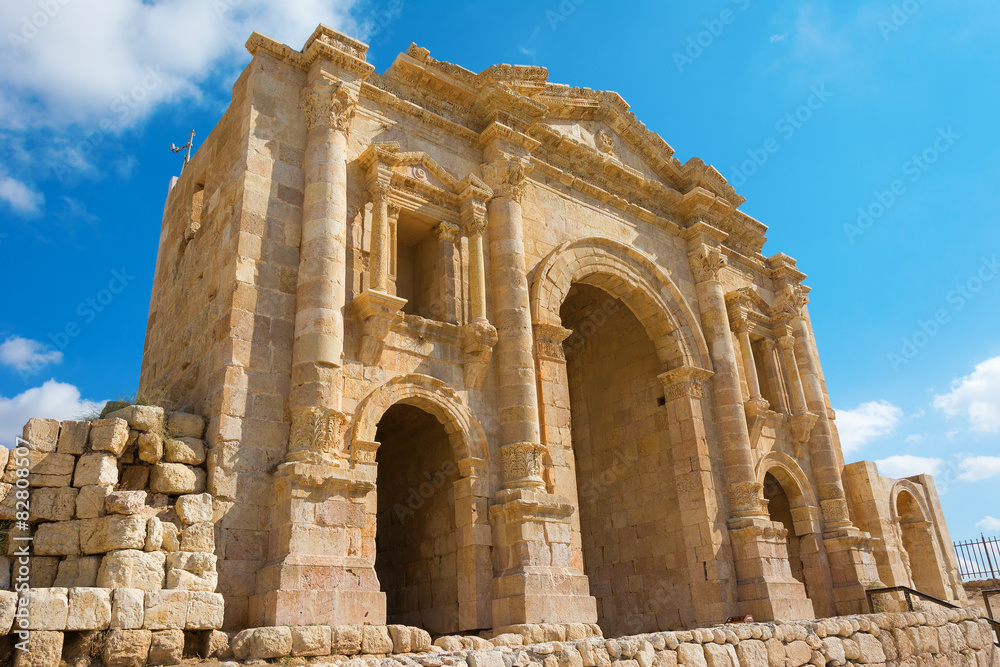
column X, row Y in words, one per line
column 378, row 262
column 749, row 367
column 765, row 585
column 774, row 373
column 478, row 336
column 787, row 345
column 477, row 271
column 446, row 309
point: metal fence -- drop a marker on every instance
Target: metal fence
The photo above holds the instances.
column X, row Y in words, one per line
column 979, row 559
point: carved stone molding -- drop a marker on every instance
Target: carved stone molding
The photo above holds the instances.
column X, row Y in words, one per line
column 474, row 218
column 364, row 451
column 507, row 177
column 685, row 382
column 376, row 312
column 835, row 513
column 328, row 103
column 706, row 263
column 446, row 231
column 478, row 339
column 523, row 465
column 605, row 141
column 549, row 340
column 792, row 299
column 317, row 435
column 802, row 426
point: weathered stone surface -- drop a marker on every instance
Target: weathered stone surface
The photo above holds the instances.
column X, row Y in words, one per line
column 128, row 608
column 125, row 502
column 262, row 643
column 42, row 434
column 8, row 605
column 109, row 435
column 166, row 610
column 127, row 647
column 96, row 468
column 78, row 572
column 185, row 425
column 346, row 640
column 47, row 609
column 112, row 532
column 73, row 437
column 184, row 450
column 173, row 479
column 798, row 653
column 154, row 534
column 720, row 655
column 420, row 640
column 486, row 658
column 140, row 417
column 166, row 647
column 130, row 568
column 44, row 650
column 193, row 571
column 400, row 636
column 134, row 478
column 150, row 447
column 752, row 653
column 311, row 640
column 58, row 539
column 216, row 645
column 171, row 536
column 89, row 609
column 43, row 571
column 53, row 503
column 205, row 610
column 871, row 649
column 90, row 501
column 375, row 639
column 691, row 655
column 194, row 508
column 198, row 537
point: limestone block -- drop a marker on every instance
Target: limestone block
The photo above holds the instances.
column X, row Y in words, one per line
column 140, row 417
column 198, row 537
column 73, row 437
column 420, row 640
column 668, row 658
column 449, row 643
column 400, row 635
column 89, row 609
column 8, row 605
column 722, row 655
column 507, row 639
column 488, row 659
column 129, row 568
column 154, row 534
column 833, row 649
column 216, row 645
column 5, row 567
column 166, row 610
column 851, row 649
column 346, row 640
column 90, row 501
column 928, row 639
column 128, row 608
column 311, row 640
column 109, row 435
column 43, row 571
column 44, row 650
column 53, row 504
column 171, row 537
column 184, row 450
column 78, row 572
column 150, row 447
column 174, row 479
column 375, row 639
column 205, row 610
column 46, row 464
column 112, row 532
column 752, row 653
column 692, row 655
column 125, row 502
column 8, row 500
column 166, row 647
column 96, row 468
column 185, row 425
column 134, row 478
column 775, row 652
column 58, row 539
column 127, row 647
column 870, row 648
column 798, row 653
column 42, row 434
column 194, row 508
column 198, row 563
column 262, row 643
column 47, row 609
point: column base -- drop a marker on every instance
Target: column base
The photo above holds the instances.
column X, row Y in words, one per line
column 538, row 580
column 311, row 607
column 765, row 586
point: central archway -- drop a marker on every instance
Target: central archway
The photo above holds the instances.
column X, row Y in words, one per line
column 916, row 532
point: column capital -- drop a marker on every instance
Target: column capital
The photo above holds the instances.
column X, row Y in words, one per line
column 793, row 298
column 523, row 465
column 685, row 382
column 317, row 435
column 787, row 342
column 507, row 177
column 473, row 216
column 328, row 103
column 446, row 231
column 379, row 191
column 706, row 262
column 549, row 341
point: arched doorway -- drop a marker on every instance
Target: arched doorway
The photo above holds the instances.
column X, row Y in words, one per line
column 416, row 551
column 630, row 525
column 780, row 511
column 918, row 544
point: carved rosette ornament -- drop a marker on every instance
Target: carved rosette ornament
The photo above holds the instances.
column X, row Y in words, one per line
column 745, row 499
column 478, row 339
column 688, row 382
column 507, row 177
column 706, row 263
column 317, row 436
column 523, row 465
column 605, row 142
column 329, row 104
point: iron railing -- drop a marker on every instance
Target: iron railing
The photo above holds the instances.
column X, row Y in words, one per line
column 979, row 559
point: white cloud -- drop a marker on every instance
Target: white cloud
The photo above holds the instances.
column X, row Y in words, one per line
column 778, row 38
column 907, row 465
column 20, row 196
column 865, row 423
column 27, row 355
column 914, row 437
column 976, row 396
column 84, row 66
column 978, row 468
column 988, row 523
column 52, row 400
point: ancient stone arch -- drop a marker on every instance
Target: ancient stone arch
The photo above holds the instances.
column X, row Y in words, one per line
column 630, row 276
column 913, row 519
column 915, row 496
column 791, row 476
column 472, row 488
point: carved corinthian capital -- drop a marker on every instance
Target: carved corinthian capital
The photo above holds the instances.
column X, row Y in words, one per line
column 317, row 435
column 793, row 298
column 506, row 177
column 706, row 262
column 328, row 103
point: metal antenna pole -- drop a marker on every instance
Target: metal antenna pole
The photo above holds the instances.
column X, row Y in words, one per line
column 188, row 145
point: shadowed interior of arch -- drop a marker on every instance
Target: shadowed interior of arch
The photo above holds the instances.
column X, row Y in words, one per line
column 633, row 549
column 919, row 545
column 416, row 551
column 779, row 508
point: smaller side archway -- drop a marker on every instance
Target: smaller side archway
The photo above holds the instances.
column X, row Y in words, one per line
column 419, row 406
column 916, row 533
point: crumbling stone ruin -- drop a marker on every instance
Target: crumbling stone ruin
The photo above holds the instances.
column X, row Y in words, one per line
column 467, row 368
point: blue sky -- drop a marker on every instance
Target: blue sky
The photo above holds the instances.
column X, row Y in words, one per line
column 863, row 134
